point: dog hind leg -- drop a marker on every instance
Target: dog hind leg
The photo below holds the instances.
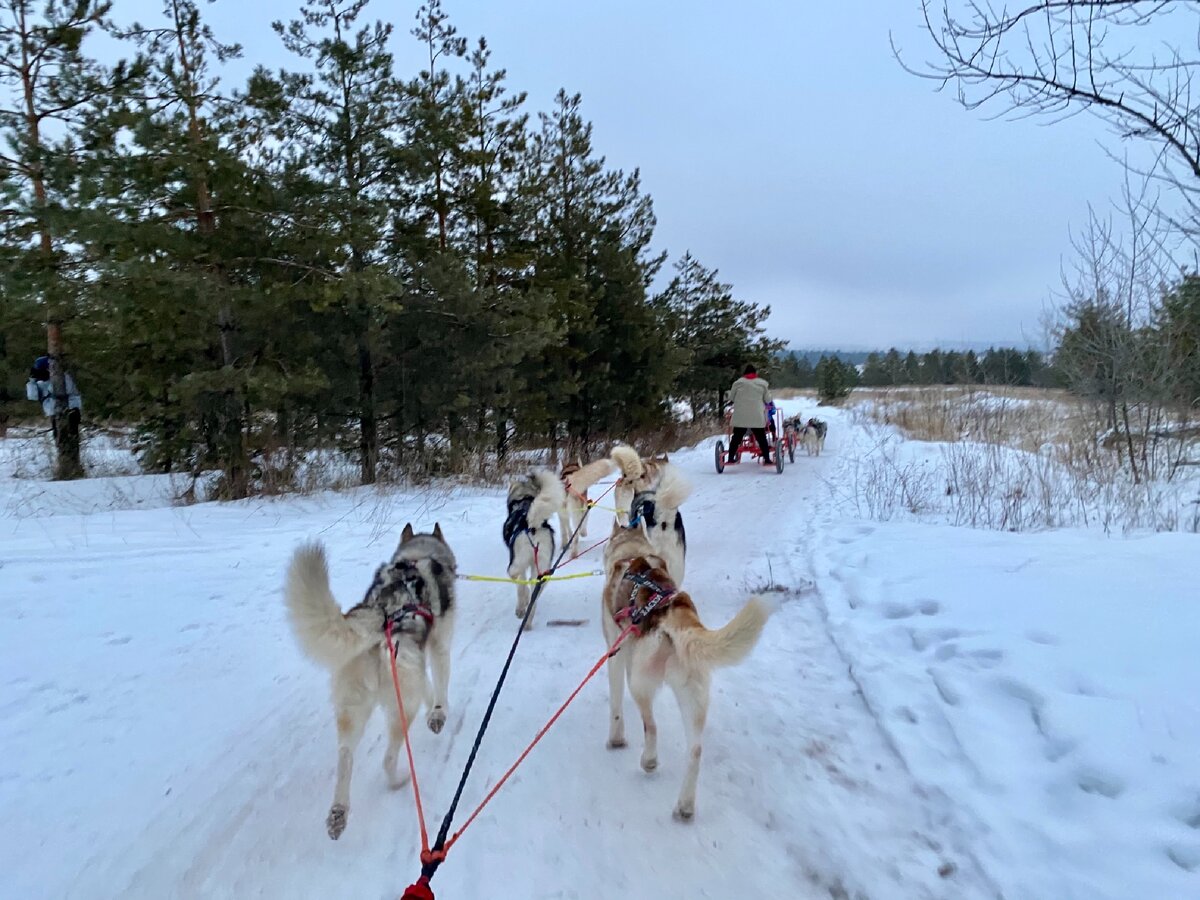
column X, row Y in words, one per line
column 692, row 696
column 616, row 698
column 643, row 689
column 351, row 720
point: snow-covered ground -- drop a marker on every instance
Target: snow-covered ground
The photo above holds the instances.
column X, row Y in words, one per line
column 933, row 712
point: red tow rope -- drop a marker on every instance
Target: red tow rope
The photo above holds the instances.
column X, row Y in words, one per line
column 419, row 891
column 432, row 858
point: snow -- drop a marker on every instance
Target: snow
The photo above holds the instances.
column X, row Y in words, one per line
column 933, row 712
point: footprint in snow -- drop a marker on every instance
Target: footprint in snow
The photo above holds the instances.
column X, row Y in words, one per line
column 1103, row 784
column 987, row 658
column 905, row 610
column 923, row 639
column 1189, row 814
column 1041, row 637
column 1187, row 858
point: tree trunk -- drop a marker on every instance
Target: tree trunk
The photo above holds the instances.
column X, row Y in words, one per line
column 1129, row 442
column 501, row 436
column 66, row 426
column 368, row 437
column 237, row 481
column 231, row 441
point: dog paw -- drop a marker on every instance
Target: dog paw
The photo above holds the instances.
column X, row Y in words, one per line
column 335, row 824
column 649, row 764
column 616, row 743
column 684, row 813
column 437, row 719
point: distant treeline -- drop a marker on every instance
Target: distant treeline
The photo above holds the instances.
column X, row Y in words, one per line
column 998, row 365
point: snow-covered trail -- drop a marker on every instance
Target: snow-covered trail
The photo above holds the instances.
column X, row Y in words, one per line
column 164, row 737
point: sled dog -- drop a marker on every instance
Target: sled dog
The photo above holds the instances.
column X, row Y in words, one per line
column 649, row 490
column 527, row 533
column 814, row 436
column 573, row 514
column 414, row 591
column 671, row 645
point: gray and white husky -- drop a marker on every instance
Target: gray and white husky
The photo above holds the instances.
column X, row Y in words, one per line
column 415, row 592
column 527, row 533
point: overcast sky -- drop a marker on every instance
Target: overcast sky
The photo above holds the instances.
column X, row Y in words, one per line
column 784, row 145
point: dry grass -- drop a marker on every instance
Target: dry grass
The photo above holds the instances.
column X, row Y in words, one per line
column 1023, row 418
column 794, row 394
column 1065, row 472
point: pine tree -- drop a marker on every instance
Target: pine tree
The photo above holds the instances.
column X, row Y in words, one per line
column 970, row 373
column 893, row 364
column 343, row 120
column 911, row 372
column 166, row 193
column 48, row 83
column 1178, row 326
column 510, row 322
column 592, row 236
column 716, row 333
column 875, row 373
column 835, row 379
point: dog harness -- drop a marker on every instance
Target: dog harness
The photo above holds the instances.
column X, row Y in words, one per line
column 517, row 522
column 411, row 609
column 661, row 597
column 642, row 507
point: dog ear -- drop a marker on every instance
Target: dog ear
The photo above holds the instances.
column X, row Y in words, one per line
column 407, row 534
column 437, row 531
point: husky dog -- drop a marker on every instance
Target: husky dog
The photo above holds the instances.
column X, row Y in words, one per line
column 670, row 644
column 415, row 593
column 532, row 500
column 649, row 490
column 814, row 436
column 572, row 518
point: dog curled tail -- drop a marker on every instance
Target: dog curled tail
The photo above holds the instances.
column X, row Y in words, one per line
column 585, row 476
column 324, row 633
column 702, row 649
column 550, row 498
column 628, row 460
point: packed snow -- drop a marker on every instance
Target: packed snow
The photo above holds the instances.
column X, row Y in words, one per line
column 933, row 712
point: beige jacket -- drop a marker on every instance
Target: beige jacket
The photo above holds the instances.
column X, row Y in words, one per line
column 749, row 397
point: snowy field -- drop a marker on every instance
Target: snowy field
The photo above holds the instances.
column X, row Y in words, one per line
column 933, row 712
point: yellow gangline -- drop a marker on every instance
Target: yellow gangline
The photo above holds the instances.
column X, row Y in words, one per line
column 502, row 580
